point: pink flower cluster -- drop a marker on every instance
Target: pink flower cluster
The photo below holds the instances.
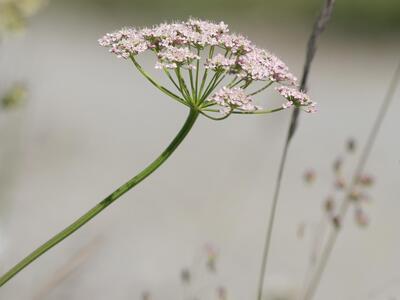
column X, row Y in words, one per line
column 174, row 44
column 171, row 57
column 295, row 97
column 180, row 45
column 232, row 98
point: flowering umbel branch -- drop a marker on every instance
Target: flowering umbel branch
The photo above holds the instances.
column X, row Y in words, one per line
column 178, row 48
column 230, row 63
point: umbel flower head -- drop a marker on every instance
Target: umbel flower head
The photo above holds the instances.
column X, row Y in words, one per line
column 212, row 69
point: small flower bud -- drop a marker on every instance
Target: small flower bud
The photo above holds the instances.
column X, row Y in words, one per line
column 212, row 256
column 329, row 204
column 221, row 292
column 340, row 184
column 309, row 176
column 360, row 217
column 355, row 195
column 366, row 180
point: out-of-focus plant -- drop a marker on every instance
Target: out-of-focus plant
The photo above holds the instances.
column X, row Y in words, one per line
column 353, row 191
column 15, row 96
column 194, row 278
column 14, row 14
column 211, row 70
column 319, row 27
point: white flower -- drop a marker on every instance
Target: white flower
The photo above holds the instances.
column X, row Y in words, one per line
column 171, row 57
column 231, row 98
column 220, row 62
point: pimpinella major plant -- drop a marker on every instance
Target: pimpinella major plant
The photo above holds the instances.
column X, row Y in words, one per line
column 212, row 73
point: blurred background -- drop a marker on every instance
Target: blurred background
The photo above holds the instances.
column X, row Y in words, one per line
column 76, row 122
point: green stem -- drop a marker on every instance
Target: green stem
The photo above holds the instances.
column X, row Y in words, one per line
column 256, row 112
column 193, row 114
column 197, row 75
column 263, row 88
column 153, row 82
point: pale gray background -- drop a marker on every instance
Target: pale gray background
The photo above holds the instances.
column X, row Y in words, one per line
column 91, row 122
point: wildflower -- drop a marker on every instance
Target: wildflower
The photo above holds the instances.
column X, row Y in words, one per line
column 220, row 63
column 298, row 98
column 230, row 65
column 232, row 98
column 172, row 57
column 235, row 43
column 124, row 43
column 280, row 71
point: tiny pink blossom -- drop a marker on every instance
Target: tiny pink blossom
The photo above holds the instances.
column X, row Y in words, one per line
column 171, row 57
column 219, row 62
column 297, row 97
column 287, row 104
column 231, row 98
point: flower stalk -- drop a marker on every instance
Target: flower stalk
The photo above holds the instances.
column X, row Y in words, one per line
column 172, row 44
column 193, row 114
